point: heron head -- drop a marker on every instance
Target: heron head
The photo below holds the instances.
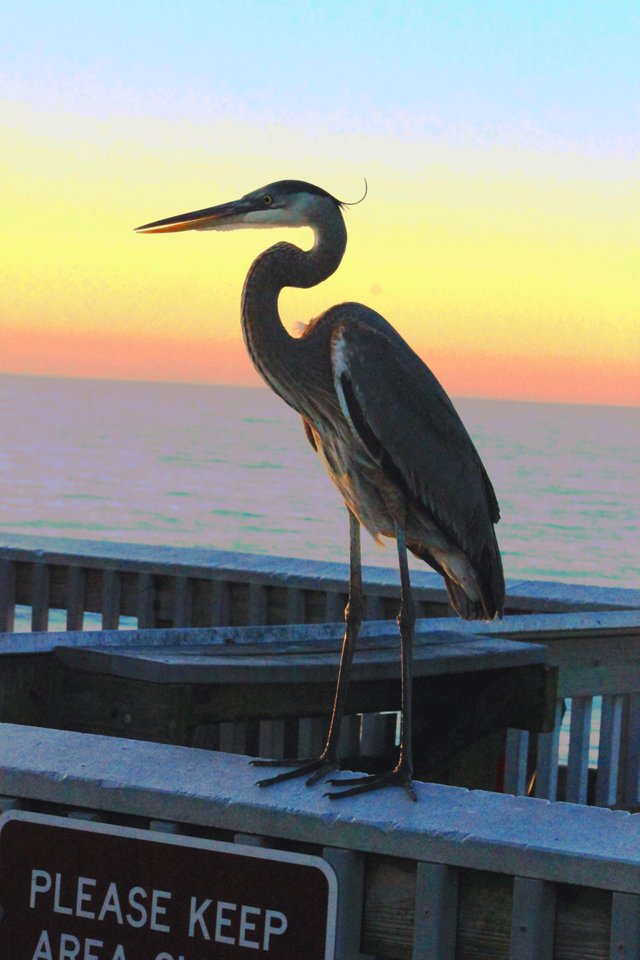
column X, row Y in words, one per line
column 286, row 203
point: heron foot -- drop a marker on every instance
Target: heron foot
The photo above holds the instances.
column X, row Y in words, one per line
column 318, row 767
column 400, row 776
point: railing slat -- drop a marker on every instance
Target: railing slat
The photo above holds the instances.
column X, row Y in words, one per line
column 436, row 912
column 7, row 595
column 546, row 786
column 233, row 737
column 373, row 607
column 609, row 750
column 532, row 919
column 625, row 927
column 75, row 598
column 349, row 740
column 40, row 597
column 516, row 753
column 632, row 751
column 183, row 603
column 334, row 607
column 295, row 612
column 145, row 604
column 271, row 742
column 349, row 869
column 312, row 733
column 257, row 613
column 579, row 742
column 377, row 732
column 220, row 603
column 111, row 591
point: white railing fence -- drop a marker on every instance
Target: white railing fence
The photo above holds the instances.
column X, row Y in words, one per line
column 458, row 875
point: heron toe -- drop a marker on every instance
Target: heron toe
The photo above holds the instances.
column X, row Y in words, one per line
column 398, row 777
column 318, row 767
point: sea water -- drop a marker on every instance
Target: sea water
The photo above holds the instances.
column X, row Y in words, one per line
column 230, row 467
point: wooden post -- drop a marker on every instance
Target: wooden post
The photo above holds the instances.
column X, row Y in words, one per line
column 7, row 595
column 75, row 598
column 436, row 912
column 532, row 920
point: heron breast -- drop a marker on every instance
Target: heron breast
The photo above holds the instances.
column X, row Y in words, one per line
column 359, row 479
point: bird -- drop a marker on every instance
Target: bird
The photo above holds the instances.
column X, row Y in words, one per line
column 386, row 431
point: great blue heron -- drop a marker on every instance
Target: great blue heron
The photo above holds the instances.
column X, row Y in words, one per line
column 386, row 431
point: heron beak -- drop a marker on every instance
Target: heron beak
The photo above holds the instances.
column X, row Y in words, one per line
column 226, row 215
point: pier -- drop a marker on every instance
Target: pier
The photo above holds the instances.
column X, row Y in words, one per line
column 142, row 678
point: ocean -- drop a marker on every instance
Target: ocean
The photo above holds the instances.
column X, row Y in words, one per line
column 229, row 467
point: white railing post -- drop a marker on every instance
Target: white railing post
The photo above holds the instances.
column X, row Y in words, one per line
column 532, row 919
column 515, row 769
column 579, row 743
column 436, row 912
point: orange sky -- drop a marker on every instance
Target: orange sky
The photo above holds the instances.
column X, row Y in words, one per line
column 499, row 235
column 207, row 360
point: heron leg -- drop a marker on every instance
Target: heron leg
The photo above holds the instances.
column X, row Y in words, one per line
column 402, row 772
column 317, row 767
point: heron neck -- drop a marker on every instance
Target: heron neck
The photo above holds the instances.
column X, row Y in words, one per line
column 278, row 357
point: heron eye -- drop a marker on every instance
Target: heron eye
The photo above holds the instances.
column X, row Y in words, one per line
column 268, row 200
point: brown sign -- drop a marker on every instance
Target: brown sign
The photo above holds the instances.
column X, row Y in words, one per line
column 74, row 890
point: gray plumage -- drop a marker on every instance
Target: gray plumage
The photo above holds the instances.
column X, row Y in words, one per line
column 386, row 431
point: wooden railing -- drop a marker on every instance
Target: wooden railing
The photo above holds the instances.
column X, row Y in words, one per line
column 101, row 583
column 593, row 635
column 458, row 875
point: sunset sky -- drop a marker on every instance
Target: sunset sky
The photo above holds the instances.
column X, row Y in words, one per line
column 500, row 142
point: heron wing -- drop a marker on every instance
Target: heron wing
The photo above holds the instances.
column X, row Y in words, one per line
column 402, row 414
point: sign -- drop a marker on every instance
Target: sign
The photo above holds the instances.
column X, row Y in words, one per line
column 77, row 890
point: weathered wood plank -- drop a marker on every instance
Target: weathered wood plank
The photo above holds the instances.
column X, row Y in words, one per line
column 484, row 915
column 583, row 918
column 220, row 658
column 389, row 908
